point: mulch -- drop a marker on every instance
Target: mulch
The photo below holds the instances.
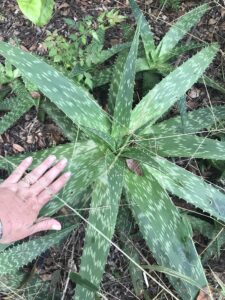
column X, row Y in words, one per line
column 29, row 134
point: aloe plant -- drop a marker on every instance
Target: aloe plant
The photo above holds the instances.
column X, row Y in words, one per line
column 159, row 60
column 102, row 161
column 156, row 61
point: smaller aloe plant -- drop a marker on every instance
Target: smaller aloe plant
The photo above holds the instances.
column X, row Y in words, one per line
column 101, row 160
column 158, row 61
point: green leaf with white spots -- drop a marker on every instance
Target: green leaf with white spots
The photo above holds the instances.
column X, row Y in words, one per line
column 179, row 50
column 167, row 92
column 101, row 138
column 84, row 173
column 101, row 58
column 182, row 183
column 115, row 80
column 10, row 282
column 8, row 104
column 107, row 54
column 146, row 34
column 180, row 29
column 166, row 233
column 182, row 108
column 186, row 146
column 69, row 129
column 124, row 98
column 70, row 151
column 18, row 256
column 73, row 100
column 103, row 215
column 102, row 77
column 22, row 103
column 190, row 187
column 219, row 86
column 142, row 65
column 196, row 121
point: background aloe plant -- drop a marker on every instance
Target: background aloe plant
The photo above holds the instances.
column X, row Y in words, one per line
column 158, row 61
column 100, row 163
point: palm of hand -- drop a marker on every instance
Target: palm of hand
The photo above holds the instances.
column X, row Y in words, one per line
column 22, row 198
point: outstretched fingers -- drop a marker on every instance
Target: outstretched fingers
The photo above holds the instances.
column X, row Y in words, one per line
column 44, row 224
column 53, row 188
column 48, row 178
column 18, row 173
column 40, row 170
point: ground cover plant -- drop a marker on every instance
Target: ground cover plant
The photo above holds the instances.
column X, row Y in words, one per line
column 123, row 156
column 81, row 55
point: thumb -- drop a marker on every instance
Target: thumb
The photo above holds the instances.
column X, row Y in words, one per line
column 45, row 224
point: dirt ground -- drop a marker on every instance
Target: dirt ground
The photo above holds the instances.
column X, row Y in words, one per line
column 29, row 134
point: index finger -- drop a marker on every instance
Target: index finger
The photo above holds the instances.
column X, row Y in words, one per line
column 18, row 173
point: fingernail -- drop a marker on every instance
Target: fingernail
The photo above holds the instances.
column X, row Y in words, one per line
column 29, row 159
column 52, row 158
column 63, row 161
column 67, row 174
column 56, row 227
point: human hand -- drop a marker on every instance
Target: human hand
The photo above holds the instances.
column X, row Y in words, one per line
column 21, row 198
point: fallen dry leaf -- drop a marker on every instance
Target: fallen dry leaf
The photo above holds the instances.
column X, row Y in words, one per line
column 204, row 294
column 64, row 5
column 35, row 95
column 194, row 93
column 134, row 167
column 18, row 148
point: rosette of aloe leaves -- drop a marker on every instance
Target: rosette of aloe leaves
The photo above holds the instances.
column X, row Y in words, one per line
column 100, row 160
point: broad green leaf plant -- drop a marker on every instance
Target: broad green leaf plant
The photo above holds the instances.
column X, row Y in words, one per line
column 38, row 12
column 102, row 161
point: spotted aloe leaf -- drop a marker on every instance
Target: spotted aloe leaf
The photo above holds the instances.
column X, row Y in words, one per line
column 102, row 77
column 73, row 100
column 84, row 172
column 103, row 215
column 8, row 104
column 107, row 54
column 124, row 98
column 146, row 34
column 69, row 151
column 20, row 255
column 182, row 183
column 115, row 80
column 179, row 29
column 167, row 92
column 101, row 57
column 167, row 234
column 191, row 188
column 65, row 124
column 186, row 146
column 179, row 50
column 212, row 83
column 196, row 121
column 22, row 103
